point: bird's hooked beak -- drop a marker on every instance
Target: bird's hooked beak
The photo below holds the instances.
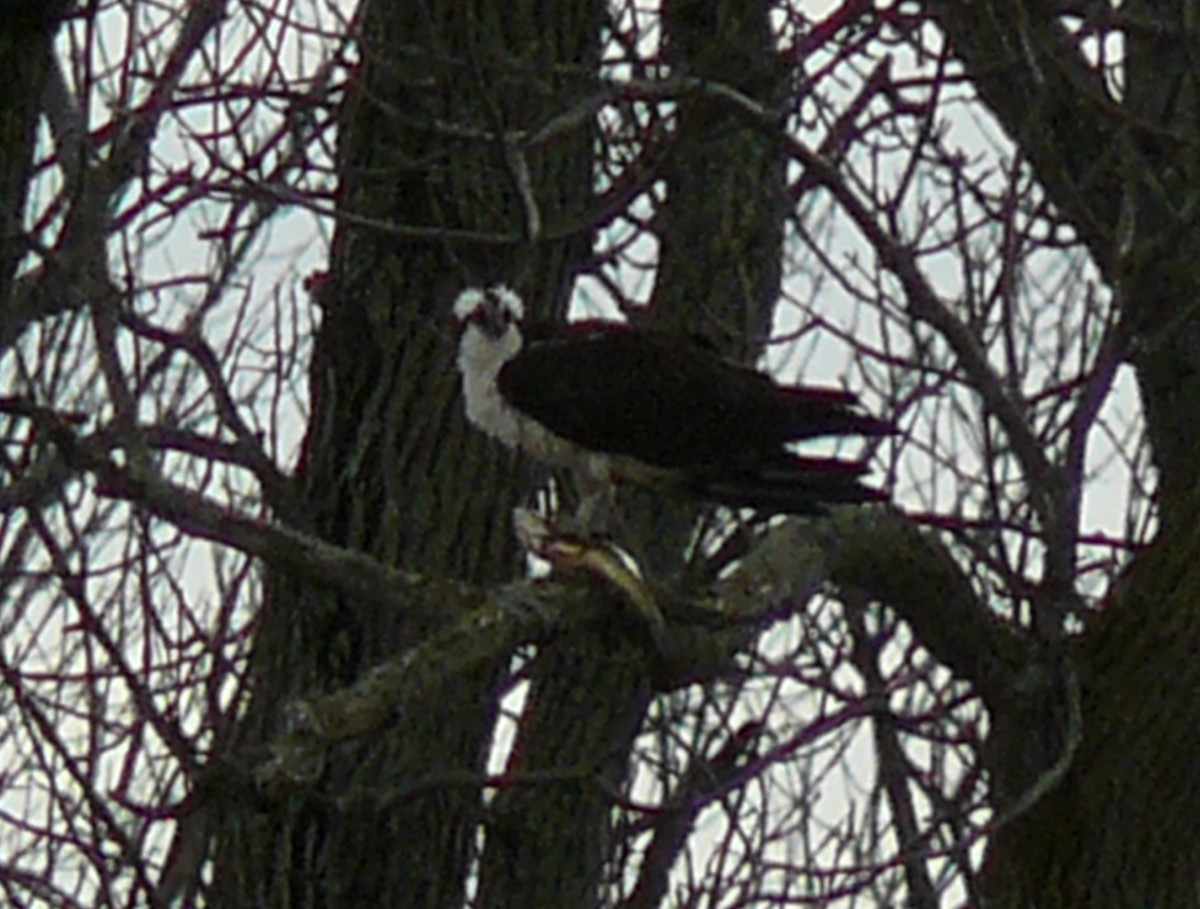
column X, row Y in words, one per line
column 491, row 319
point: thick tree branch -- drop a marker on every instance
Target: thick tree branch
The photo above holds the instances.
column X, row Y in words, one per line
column 498, row 621
column 888, row 558
column 351, row 572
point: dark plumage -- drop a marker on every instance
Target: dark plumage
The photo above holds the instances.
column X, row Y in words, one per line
column 669, row 411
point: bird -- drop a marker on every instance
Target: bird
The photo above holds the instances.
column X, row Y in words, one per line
column 615, row 403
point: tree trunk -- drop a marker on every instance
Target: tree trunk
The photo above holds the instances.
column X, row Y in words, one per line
column 548, row 844
column 389, row 465
column 27, row 47
column 1120, row 829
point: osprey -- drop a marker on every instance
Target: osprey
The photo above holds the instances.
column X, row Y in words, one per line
column 615, row 403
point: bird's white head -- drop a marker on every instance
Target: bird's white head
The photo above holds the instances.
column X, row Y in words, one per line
column 492, row 310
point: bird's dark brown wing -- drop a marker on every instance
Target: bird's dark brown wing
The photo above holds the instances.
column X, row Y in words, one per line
column 667, row 401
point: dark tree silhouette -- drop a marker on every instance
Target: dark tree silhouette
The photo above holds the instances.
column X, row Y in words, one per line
column 268, row 637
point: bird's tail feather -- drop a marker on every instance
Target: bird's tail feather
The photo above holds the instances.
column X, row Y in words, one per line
column 814, row 412
column 809, row 425
column 802, row 486
column 845, row 423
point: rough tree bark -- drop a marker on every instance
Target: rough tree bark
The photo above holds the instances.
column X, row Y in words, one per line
column 27, row 46
column 390, row 467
